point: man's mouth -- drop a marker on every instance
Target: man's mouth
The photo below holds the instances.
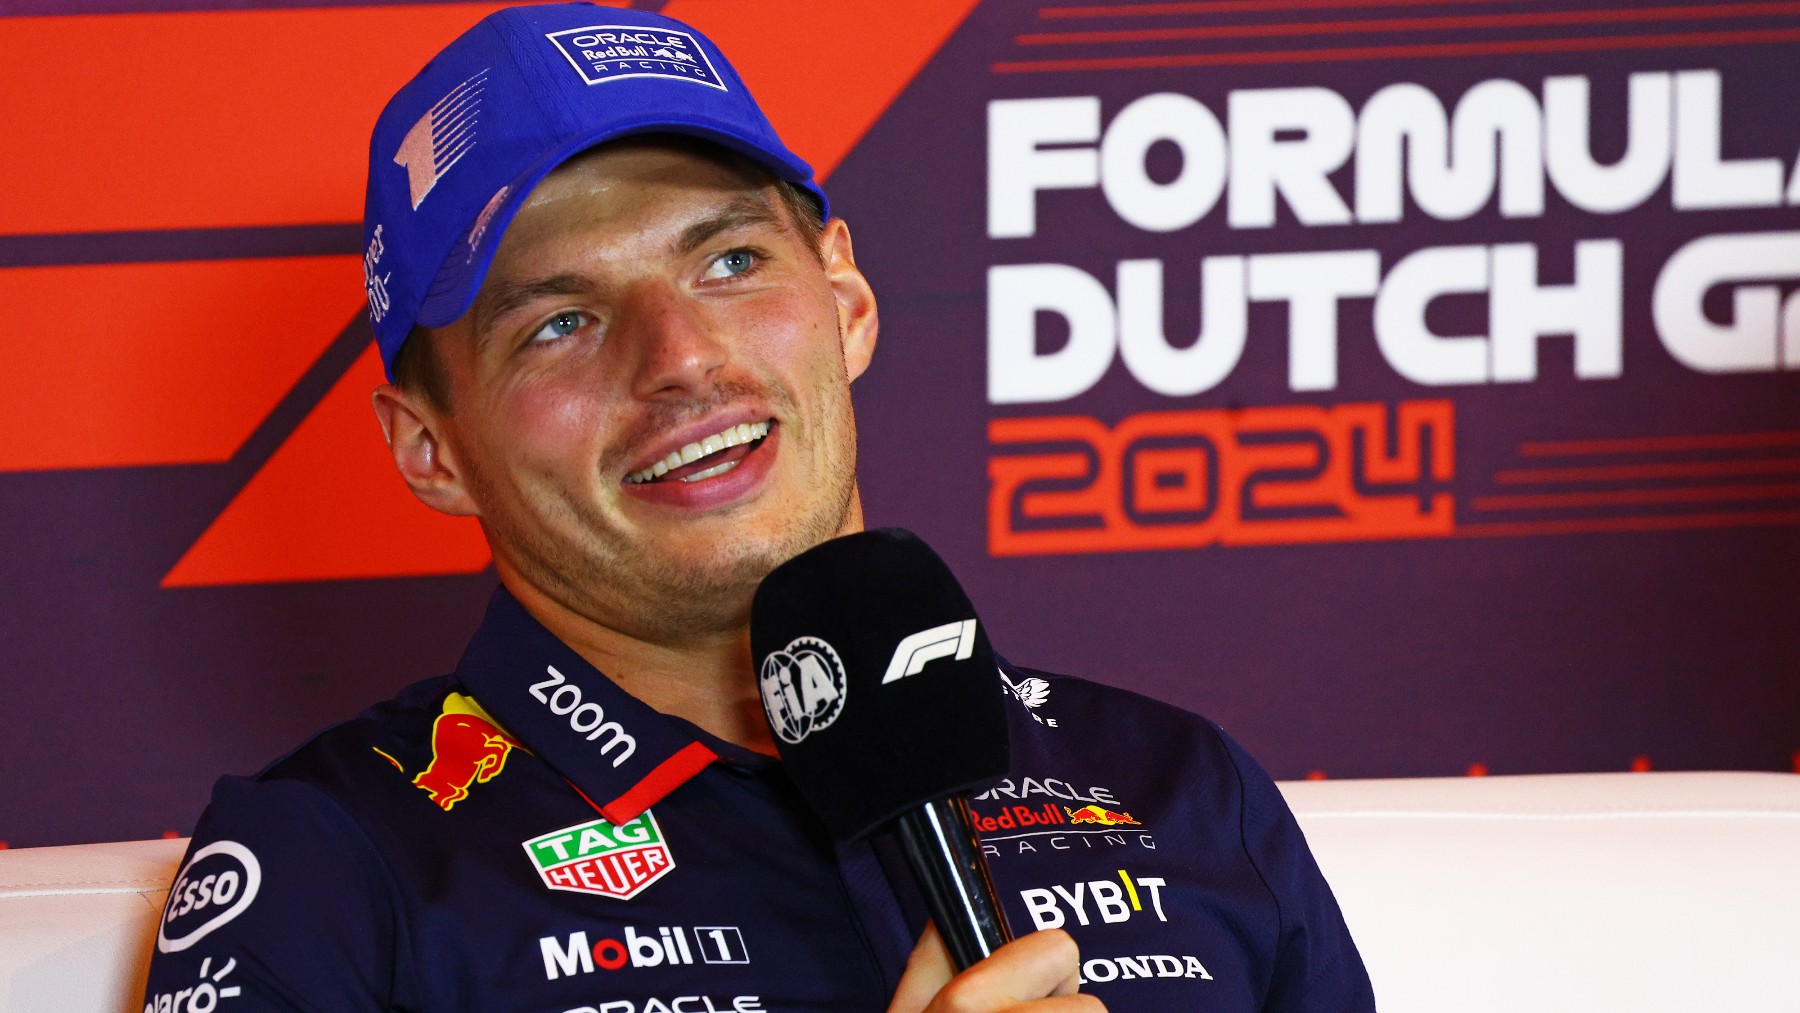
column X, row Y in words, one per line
column 714, row 455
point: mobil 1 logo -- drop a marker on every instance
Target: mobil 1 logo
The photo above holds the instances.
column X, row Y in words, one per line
column 668, row 945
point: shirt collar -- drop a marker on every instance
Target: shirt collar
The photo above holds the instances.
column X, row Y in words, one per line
column 619, row 753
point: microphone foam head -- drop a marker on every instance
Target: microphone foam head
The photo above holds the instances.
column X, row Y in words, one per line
column 877, row 679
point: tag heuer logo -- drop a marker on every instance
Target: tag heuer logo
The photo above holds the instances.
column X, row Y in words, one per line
column 598, row 857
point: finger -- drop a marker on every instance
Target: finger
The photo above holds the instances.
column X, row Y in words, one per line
column 1041, row 964
column 927, row 971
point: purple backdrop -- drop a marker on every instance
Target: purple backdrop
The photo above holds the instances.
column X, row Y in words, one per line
column 1566, row 604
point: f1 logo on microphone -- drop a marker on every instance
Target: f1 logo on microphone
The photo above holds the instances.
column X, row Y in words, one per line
column 926, row 646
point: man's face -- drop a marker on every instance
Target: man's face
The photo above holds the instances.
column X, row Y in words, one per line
column 650, row 396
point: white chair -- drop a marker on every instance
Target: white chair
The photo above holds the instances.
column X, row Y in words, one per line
column 1635, row 893
column 76, row 924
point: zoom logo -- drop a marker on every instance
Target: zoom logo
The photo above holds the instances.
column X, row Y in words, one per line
column 563, row 697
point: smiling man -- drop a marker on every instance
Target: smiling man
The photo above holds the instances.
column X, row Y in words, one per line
column 647, row 405
column 622, row 328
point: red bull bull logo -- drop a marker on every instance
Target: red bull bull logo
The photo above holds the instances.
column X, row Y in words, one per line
column 466, row 748
column 1103, row 817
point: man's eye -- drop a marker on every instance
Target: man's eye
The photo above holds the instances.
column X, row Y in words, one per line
column 560, row 326
column 729, row 264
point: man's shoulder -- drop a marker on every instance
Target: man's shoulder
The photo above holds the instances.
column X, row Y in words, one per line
column 423, row 750
column 382, row 782
column 385, row 734
column 1126, row 735
column 1055, row 700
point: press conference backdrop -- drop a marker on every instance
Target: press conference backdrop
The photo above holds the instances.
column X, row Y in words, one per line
column 1407, row 386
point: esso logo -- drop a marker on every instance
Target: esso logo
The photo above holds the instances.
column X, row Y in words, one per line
column 218, row 883
column 803, row 687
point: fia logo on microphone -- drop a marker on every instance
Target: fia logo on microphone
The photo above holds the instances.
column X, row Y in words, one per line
column 803, row 688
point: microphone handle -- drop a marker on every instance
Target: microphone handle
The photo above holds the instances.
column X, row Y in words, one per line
column 940, row 844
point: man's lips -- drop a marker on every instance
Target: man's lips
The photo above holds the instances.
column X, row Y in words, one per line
column 704, row 458
column 718, row 480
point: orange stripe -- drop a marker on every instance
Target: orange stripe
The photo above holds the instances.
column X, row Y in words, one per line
column 167, row 363
column 825, row 73
column 1235, row 7
column 1679, row 40
column 1654, row 444
column 1626, row 472
column 669, row 775
column 1667, row 522
column 1533, row 19
column 328, row 506
column 119, row 122
column 1628, row 497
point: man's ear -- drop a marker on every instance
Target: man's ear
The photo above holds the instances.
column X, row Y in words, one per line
column 415, row 436
column 858, row 321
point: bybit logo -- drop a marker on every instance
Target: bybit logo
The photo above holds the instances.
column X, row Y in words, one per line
column 1112, row 902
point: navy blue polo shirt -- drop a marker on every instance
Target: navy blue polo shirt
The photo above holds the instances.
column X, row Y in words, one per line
column 524, row 835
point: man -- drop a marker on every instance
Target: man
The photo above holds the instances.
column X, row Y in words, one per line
column 622, row 329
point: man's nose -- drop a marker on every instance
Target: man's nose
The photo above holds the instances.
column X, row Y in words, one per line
column 678, row 351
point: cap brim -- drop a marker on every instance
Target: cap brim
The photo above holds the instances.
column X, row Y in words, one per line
column 459, row 279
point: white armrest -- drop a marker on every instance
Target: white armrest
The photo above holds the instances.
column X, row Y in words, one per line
column 76, row 924
column 1570, row 892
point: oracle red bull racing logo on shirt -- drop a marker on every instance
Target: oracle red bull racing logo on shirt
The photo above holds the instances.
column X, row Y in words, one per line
column 602, row 858
column 1050, row 815
column 1102, row 817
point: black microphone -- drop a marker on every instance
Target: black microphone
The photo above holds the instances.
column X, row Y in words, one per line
column 884, row 699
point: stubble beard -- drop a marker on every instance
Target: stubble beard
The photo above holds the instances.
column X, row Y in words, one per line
column 639, row 589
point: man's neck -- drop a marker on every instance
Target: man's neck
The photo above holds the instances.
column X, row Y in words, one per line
column 706, row 679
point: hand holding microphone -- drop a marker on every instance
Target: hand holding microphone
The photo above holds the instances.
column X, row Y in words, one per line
column 1039, row 968
column 882, row 694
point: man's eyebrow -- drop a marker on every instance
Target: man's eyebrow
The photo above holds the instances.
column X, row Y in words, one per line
column 741, row 212
column 504, row 297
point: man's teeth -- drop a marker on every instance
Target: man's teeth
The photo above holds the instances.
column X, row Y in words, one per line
column 744, row 432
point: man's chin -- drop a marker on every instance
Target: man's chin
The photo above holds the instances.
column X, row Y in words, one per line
column 742, row 552
column 676, row 603
column 731, row 566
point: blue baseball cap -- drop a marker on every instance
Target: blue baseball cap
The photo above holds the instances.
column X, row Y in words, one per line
column 463, row 143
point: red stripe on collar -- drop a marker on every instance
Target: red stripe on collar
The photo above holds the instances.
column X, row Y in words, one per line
column 667, row 776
